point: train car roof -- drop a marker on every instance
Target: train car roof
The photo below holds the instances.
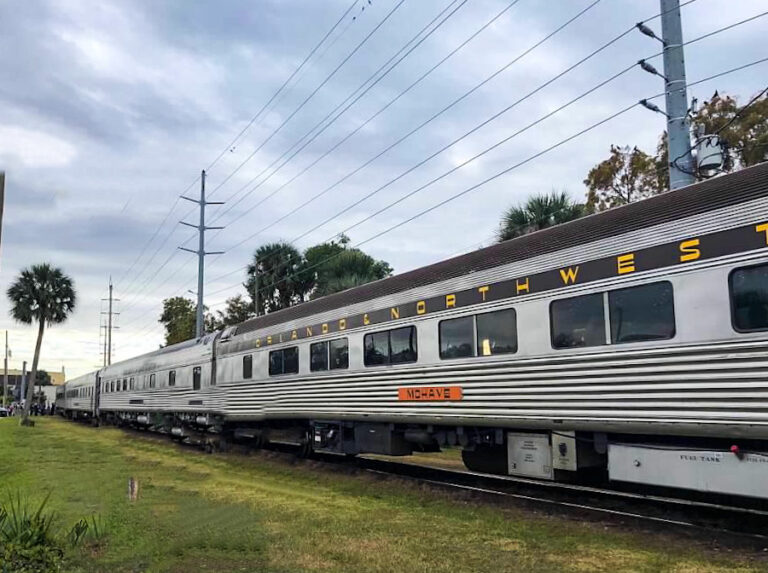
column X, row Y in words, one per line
column 717, row 193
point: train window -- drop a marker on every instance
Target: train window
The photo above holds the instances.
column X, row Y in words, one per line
column 402, row 345
column 291, row 360
column 152, row 380
column 497, row 332
column 578, row 321
column 172, row 378
column 285, row 361
column 112, row 386
column 390, row 347
column 125, row 384
column 276, row 363
column 197, row 375
column 642, row 313
column 457, row 337
column 339, row 353
column 749, row 298
column 318, row 356
column 132, row 384
column 248, row 366
column 376, row 348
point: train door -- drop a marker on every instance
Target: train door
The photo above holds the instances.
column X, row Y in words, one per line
column 196, row 377
column 97, row 396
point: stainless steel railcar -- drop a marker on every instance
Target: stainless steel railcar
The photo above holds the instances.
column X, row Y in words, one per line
column 633, row 341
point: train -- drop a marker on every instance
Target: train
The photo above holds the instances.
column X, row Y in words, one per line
column 632, row 342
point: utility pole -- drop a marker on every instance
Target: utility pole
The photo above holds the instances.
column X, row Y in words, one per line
column 5, row 372
column 200, row 252
column 110, row 325
column 681, row 171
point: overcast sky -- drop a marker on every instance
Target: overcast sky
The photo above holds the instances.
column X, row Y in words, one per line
column 109, row 111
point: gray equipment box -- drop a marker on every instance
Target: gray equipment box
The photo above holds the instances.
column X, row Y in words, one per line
column 529, row 455
column 710, row 471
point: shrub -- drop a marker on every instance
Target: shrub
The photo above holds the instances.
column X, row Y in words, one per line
column 29, row 542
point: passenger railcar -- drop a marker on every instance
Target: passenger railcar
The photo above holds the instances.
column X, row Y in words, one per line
column 633, row 341
column 78, row 397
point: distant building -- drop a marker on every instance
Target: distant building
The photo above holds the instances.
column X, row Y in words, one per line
column 14, row 377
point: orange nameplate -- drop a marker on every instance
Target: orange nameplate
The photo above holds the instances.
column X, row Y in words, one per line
column 430, row 393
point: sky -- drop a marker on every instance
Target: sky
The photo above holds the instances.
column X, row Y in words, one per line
column 109, row 111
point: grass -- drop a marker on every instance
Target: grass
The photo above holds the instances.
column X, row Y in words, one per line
column 238, row 513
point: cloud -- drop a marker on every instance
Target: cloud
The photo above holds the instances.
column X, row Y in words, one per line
column 34, row 149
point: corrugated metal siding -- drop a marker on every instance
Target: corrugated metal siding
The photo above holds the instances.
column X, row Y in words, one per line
column 717, row 384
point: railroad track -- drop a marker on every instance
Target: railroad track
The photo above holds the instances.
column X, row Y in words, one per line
column 748, row 524
column 743, row 522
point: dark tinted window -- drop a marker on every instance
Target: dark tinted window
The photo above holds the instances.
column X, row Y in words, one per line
column 172, row 378
column 318, row 356
column 642, row 313
column 248, row 366
column 376, row 348
column 402, row 345
column 196, row 378
column 285, row 361
column 275, row 362
column 749, row 298
column 132, row 384
column 497, row 332
column 457, row 337
column 339, row 353
column 152, row 380
column 291, row 360
column 578, row 321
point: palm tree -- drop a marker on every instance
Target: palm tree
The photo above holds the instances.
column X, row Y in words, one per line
column 539, row 212
column 42, row 294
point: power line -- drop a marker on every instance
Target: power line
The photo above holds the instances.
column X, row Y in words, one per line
column 309, row 97
column 508, row 170
column 216, row 218
column 227, row 148
column 283, row 86
column 427, row 121
column 349, row 101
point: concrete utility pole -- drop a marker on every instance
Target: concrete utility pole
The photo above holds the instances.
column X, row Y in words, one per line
column 200, row 252
column 681, row 171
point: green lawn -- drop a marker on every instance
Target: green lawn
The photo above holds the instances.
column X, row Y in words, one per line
column 200, row 512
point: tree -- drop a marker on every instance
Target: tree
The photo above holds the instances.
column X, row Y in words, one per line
column 283, row 281
column 179, row 319
column 42, row 378
column 627, row 175
column 238, row 310
column 337, row 267
column 43, row 294
column 539, row 212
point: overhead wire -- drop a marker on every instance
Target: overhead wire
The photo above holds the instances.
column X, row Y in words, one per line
column 507, row 170
column 309, row 97
column 189, row 239
column 353, row 98
column 454, row 2
column 428, row 120
column 239, row 135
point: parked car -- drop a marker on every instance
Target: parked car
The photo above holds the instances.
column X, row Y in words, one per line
column 3, row 412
